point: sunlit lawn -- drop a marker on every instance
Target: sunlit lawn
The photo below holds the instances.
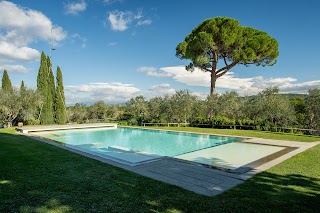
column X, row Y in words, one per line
column 37, row 177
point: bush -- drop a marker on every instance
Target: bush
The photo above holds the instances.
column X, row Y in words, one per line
column 33, row 121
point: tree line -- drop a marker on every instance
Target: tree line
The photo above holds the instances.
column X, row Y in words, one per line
column 44, row 105
column 264, row 111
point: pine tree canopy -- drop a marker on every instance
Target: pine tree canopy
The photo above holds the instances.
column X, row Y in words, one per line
column 224, row 39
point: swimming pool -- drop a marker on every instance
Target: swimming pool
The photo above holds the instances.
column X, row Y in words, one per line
column 135, row 146
column 156, row 142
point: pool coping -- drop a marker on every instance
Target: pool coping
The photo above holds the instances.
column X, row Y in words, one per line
column 40, row 128
column 193, row 176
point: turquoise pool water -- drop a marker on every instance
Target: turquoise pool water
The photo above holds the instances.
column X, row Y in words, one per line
column 162, row 143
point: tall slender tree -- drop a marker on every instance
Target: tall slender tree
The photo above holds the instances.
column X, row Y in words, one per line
column 45, row 85
column 6, row 83
column 51, row 91
column 22, row 88
column 60, row 103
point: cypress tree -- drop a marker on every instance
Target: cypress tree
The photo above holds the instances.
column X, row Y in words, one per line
column 51, row 91
column 46, row 89
column 22, row 88
column 6, row 83
column 60, row 103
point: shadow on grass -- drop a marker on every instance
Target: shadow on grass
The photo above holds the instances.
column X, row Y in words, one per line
column 38, row 177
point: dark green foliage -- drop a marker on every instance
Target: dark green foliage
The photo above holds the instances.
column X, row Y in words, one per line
column 10, row 106
column 98, row 111
column 312, row 103
column 6, row 83
column 224, row 39
column 78, row 113
column 51, row 93
column 22, row 88
column 137, row 109
column 45, row 86
column 60, row 103
column 300, row 109
column 19, row 105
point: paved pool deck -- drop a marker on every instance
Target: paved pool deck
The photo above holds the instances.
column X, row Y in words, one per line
column 193, row 176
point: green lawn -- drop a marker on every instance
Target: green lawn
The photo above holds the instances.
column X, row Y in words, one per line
column 246, row 133
column 37, row 177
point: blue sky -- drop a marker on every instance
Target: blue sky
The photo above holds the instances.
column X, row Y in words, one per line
column 113, row 50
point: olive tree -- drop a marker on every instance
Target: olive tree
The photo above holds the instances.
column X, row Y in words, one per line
column 137, row 108
column 313, row 109
column 10, row 106
column 25, row 104
column 182, row 103
column 273, row 107
column 224, row 39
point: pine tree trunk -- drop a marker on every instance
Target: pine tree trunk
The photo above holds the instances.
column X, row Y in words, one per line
column 213, row 84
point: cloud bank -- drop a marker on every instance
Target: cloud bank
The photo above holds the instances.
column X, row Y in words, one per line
column 19, row 27
column 244, row 86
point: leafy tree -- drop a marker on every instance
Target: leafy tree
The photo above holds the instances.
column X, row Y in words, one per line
column 167, row 111
column 300, row 109
column 224, row 39
column 154, row 109
column 14, row 104
column 212, row 104
column 274, row 108
column 138, row 108
column 182, row 103
column 10, row 106
column 112, row 112
column 199, row 112
column 6, row 83
column 60, row 103
column 313, row 109
column 98, row 111
column 77, row 113
column 229, row 105
column 31, row 101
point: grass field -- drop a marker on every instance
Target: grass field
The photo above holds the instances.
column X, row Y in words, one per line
column 37, row 177
column 246, row 133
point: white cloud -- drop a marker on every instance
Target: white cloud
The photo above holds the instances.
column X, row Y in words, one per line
column 144, row 22
column 11, row 52
column 154, row 72
column 119, row 20
column 162, row 89
column 21, row 26
column 14, row 68
column 301, row 88
column 109, row 92
column 75, row 8
column 244, row 86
